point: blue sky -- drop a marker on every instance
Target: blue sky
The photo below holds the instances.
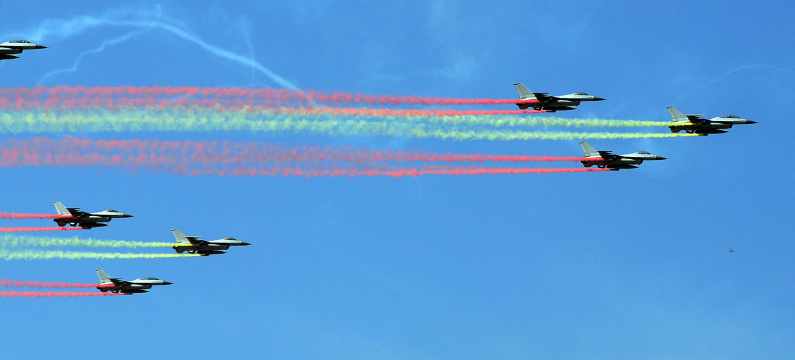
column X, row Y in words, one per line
column 632, row 264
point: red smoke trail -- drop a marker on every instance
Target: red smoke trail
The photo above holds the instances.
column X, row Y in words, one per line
column 18, row 216
column 193, row 168
column 243, row 171
column 133, row 161
column 399, row 112
column 80, row 97
column 47, row 284
column 49, row 294
column 214, row 158
column 132, row 153
column 25, row 229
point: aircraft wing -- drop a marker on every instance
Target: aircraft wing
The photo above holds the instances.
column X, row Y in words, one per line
column 118, row 282
column 607, row 155
column 76, row 212
column 195, row 240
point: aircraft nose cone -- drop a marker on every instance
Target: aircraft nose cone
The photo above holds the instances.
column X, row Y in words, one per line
column 243, row 243
column 750, row 122
column 167, row 283
column 596, row 98
column 40, row 47
column 661, row 158
column 126, row 215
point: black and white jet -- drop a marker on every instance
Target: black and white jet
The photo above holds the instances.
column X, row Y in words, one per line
column 606, row 159
column 551, row 103
column 696, row 124
column 84, row 219
column 115, row 285
column 195, row 245
column 9, row 48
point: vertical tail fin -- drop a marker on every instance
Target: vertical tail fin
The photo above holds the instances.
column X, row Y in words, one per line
column 677, row 115
column 180, row 236
column 524, row 92
column 103, row 277
column 589, row 150
column 61, row 209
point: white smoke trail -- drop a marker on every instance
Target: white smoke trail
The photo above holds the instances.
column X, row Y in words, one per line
column 64, row 29
column 101, row 48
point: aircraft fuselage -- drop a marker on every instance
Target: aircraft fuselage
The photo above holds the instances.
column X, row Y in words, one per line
column 74, row 221
column 128, row 288
column 5, row 50
column 703, row 128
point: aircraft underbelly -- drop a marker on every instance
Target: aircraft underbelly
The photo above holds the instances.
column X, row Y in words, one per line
column 138, row 286
column 10, row 51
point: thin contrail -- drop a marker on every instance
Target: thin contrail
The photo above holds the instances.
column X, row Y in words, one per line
column 64, row 29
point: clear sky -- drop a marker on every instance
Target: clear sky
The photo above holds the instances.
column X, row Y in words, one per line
column 620, row 265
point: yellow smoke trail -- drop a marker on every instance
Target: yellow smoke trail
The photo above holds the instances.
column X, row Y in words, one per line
column 19, row 122
column 474, row 120
column 532, row 121
column 77, row 255
column 42, row 241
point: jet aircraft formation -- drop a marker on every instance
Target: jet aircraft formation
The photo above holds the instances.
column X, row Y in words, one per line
column 190, row 244
column 691, row 124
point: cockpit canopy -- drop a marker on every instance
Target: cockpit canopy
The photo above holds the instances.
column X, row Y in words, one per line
column 579, row 93
column 109, row 211
column 20, row 41
column 731, row 116
column 150, row 278
column 644, row 152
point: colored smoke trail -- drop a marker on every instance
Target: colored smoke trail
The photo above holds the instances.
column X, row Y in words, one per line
column 81, row 96
column 42, row 241
column 367, row 112
column 77, row 255
column 398, row 173
column 45, row 284
column 468, row 117
column 275, row 170
column 50, row 294
column 240, row 121
column 18, row 216
column 74, row 151
column 255, row 159
column 25, row 229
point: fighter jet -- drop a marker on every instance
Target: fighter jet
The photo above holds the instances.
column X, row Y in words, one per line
column 606, row 159
column 696, row 124
column 141, row 285
column 15, row 47
column 84, row 219
column 551, row 103
column 194, row 244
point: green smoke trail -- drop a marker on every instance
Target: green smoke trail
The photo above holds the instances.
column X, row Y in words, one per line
column 42, row 241
column 77, row 255
column 242, row 120
column 526, row 121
